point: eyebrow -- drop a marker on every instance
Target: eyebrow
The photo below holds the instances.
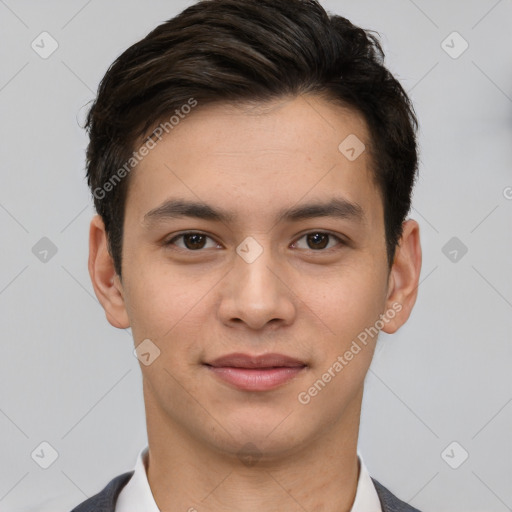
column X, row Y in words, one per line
column 176, row 208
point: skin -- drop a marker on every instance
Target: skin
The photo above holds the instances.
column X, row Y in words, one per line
column 299, row 298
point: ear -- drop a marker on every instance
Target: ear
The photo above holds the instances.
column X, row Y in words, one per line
column 107, row 284
column 404, row 277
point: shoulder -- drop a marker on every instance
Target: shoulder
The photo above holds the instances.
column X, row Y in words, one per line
column 389, row 502
column 105, row 500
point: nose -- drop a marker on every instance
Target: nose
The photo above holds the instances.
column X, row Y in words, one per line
column 256, row 293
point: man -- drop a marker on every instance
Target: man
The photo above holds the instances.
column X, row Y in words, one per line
column 252, row 163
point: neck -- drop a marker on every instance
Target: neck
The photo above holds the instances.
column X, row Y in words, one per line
column 187, row 474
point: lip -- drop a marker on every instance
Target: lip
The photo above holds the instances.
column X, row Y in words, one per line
column 256, row 372
column 240, row 360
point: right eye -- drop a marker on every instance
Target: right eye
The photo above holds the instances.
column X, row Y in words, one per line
column 192, row 241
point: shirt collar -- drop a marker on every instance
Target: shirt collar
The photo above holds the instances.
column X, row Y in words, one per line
column 136, row 495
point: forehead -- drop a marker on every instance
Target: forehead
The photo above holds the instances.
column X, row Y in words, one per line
column 257, row 158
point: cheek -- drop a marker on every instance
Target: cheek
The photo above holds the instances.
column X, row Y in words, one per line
column 152, row 304
column 163, row 306
column 347, row 301
column 349, row 305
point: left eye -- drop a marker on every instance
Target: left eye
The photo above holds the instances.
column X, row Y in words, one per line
column 318, row 240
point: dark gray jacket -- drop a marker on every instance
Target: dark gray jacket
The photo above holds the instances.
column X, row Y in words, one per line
column 105, row 501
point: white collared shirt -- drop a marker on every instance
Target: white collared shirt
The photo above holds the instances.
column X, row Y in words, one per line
column 136, row 495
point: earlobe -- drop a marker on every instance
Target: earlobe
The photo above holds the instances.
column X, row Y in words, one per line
column 404, row 277
column 106, row 283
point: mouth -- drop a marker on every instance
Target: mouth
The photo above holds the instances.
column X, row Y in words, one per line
column 256, row 373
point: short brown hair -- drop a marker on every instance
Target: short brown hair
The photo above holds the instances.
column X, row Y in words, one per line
column 235, row 51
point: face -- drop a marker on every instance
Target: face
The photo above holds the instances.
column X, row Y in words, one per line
column 249, row 233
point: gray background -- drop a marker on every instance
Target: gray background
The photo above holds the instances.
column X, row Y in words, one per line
column 70, row 379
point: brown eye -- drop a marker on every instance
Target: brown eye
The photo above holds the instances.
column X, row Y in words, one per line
column 192, row 241
column 318, row 240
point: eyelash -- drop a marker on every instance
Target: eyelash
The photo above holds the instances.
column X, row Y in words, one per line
column 340, row 241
